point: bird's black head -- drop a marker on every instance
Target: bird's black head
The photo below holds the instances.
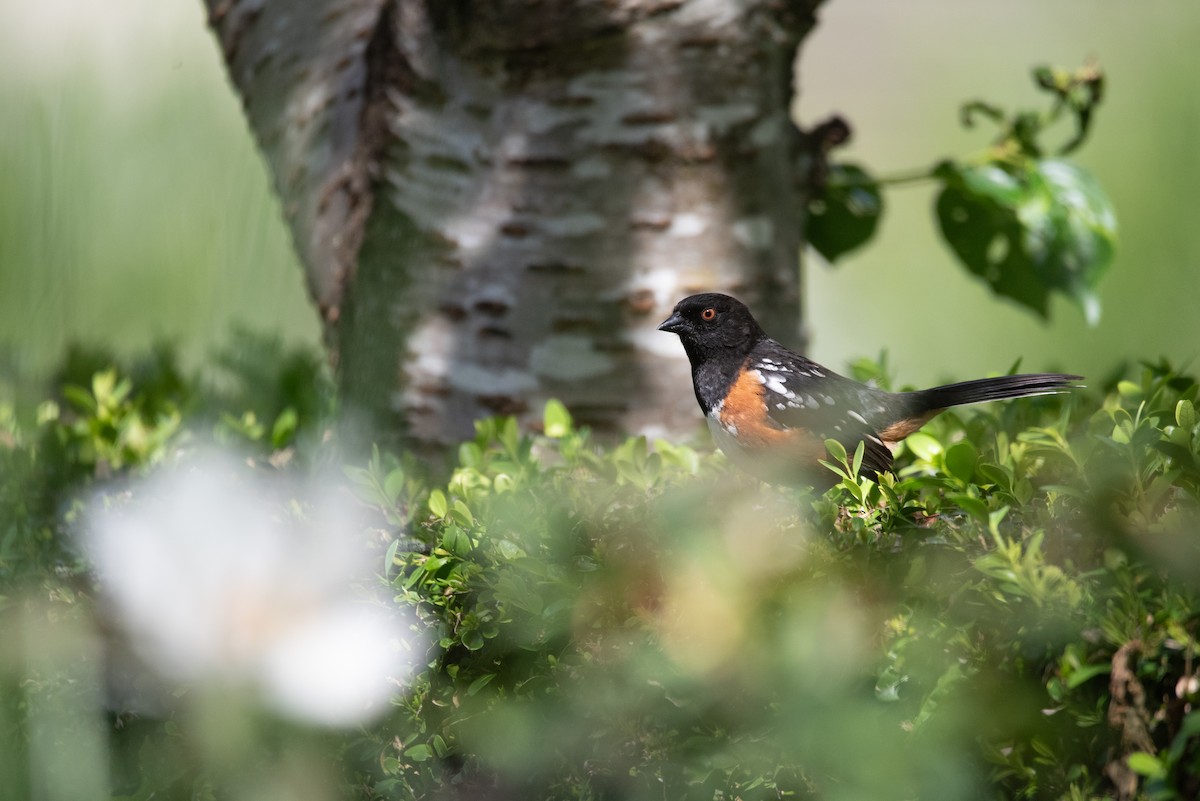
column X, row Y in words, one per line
column 710, row 324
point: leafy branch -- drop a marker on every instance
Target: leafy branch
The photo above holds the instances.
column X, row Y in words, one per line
column 1017, row 214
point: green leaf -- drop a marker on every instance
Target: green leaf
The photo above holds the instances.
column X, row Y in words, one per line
column 993, row 183
column 1084, row 233
column 1147, row 765
column 923, row 446
column 847, row 214
column 1086, row 672
column 509, row 435
column 470, row 454
column 359, row 475
column 437, row 503
column 419, row 753
column 480, row 683
column 393, row 484
column 960, row 460
column 859, row 453
column 971, row 505
column 976, row 212
column 456, row 541
column 999, row 475
column 1027, row 232
column 837, row 450
column 389, row 559
column 509, row 550
column 1185, row 415
column 285, row 427
column 833, row 468
column 556, row 420
column 1130, row 389
column 463, row 514
column 80, row 398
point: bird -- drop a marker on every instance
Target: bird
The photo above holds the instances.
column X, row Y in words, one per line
column 770, row 410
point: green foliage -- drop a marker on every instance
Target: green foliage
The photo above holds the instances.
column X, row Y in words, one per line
column 847, row 213
column 1013, row 614
column 1029, row 226
column 101, row 423
column 618, row 626
column 1025, row 222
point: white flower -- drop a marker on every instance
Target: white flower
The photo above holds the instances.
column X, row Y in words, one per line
column 215, row 581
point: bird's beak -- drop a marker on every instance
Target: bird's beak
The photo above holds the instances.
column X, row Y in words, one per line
column 672, row 324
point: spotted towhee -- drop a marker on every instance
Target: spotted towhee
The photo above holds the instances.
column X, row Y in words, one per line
column 770, row 410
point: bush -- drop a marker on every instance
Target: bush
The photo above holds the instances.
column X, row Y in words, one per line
column 1012, row 615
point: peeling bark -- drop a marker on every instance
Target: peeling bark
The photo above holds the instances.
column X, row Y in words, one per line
column 497, row 200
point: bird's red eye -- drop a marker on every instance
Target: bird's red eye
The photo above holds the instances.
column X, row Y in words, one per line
column 708, row 314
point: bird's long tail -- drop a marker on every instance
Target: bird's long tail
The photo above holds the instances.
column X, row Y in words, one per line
column 988, row 389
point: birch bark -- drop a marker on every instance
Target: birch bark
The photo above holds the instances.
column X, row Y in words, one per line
column 496, row 201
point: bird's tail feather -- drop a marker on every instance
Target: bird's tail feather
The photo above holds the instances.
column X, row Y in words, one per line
column 988, row 389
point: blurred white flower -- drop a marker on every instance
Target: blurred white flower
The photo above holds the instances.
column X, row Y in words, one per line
column 216, row 578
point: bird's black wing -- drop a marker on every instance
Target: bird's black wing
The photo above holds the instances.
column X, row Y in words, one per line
column 801, row 394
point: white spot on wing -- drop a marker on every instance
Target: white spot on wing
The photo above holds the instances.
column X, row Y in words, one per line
column 776, row 385
column 857, row 417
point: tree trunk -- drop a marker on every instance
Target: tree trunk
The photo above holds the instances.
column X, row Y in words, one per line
column 496, row 201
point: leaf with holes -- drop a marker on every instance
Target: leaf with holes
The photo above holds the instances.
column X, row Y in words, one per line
column 1046, row 228
column 847, row 214
column 1083, row 229
column 976, row 213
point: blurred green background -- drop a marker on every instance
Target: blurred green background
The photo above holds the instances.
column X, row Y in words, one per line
column 898, row 72
column 134, row 207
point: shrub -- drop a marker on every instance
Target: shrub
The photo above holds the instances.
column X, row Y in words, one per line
column 1012, row 615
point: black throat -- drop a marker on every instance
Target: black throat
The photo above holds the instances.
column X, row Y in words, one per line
column 715, row 366
column 712, row 379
